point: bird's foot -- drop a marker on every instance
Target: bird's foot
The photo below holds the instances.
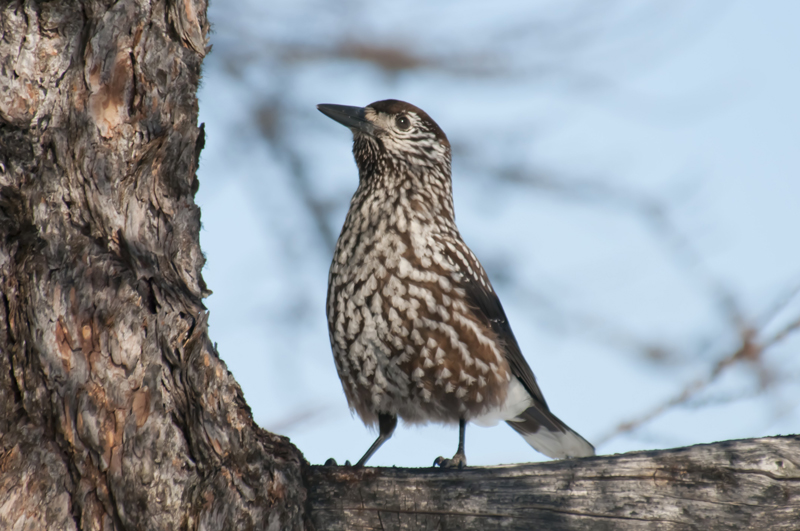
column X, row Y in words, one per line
column 458, row 461
column 332, row 462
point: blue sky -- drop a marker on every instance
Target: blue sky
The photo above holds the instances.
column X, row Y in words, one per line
column 691, row 108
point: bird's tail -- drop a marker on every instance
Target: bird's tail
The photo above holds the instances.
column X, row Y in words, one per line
column 548, row 435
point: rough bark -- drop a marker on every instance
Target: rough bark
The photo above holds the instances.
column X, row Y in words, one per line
column 115, row 409
column 749, row 484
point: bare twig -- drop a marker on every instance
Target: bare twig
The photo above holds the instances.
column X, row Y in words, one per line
column 749, row 350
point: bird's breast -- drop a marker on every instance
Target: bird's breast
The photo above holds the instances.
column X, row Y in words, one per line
column 405, row 339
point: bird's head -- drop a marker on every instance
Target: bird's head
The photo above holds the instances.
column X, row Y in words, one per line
column 393, row 135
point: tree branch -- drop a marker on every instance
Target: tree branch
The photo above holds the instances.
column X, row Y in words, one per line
column 745, row 484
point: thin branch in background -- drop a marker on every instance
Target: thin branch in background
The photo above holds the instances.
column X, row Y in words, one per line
column 749, row 351
column 569, row 43
column 271, row 115
column 783, row 333
column 652, row 211
column 776, row 309
column 316, row 208
column 297, row 418
column 593, row 327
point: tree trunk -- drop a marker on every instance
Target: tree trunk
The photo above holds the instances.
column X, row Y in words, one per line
column 750, row 484
column 115, row 409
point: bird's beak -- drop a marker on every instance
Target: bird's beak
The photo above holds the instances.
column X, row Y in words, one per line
column 352, row 117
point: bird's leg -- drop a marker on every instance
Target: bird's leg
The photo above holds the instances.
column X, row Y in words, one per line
column 460, row 459
column 387, row 424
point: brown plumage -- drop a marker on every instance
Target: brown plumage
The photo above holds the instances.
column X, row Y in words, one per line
column 416, row 329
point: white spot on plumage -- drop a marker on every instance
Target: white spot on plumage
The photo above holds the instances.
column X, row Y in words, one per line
column 444, row 283
column 464, row 377
column 400, row 303
column 353, row 327
column 417, row 338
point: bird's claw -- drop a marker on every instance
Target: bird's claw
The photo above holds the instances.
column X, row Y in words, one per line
column 458, row 461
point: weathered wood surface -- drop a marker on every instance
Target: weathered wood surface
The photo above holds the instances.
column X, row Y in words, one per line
column 748, row 484
column 115, row 409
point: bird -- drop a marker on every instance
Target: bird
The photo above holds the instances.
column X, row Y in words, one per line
column 416, row 328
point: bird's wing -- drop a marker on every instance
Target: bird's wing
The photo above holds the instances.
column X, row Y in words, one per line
column 540, row 428
column 484, row 301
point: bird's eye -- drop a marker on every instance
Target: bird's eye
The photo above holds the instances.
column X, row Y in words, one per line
column 402, row 122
